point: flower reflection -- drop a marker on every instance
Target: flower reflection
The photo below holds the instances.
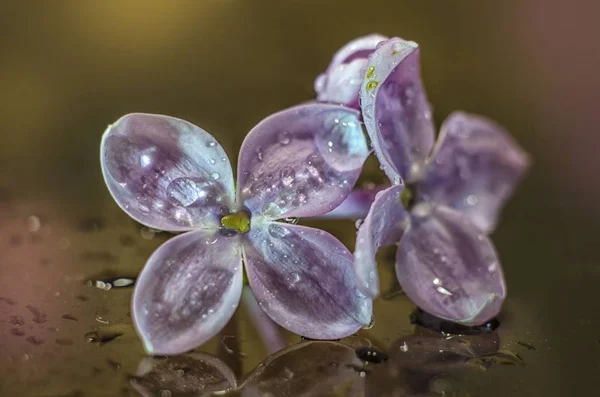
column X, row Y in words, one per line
column 424, row 363
column 196, row 374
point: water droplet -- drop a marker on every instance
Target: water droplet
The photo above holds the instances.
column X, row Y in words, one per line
column 211, row 144
column 224, row 159
column 278, row 231
column 102, row 337
column 215, row 175
column 284, row 138
column 358, row 223
column 259, row 153
column 183, row 192
column 287, row 175
column 292, row 220
column 342, row 143
column 371, row 354
column 33, row 223
column 371, row 275
column 404, row 347
column 212, row 161
column 147, row 233
column 472, row 199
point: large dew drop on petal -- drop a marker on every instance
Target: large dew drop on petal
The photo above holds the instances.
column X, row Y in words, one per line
column 303, row 279
column 165, row 172
column 302, row 161
column 475, row 167
column 449, row 268
column 188, row 290
column 395, row 109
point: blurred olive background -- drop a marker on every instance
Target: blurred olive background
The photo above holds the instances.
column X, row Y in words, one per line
column 69, row 68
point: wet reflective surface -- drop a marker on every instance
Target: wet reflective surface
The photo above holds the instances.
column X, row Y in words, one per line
column 70, row 255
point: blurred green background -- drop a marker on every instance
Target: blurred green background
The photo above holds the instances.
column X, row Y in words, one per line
column 69, row 68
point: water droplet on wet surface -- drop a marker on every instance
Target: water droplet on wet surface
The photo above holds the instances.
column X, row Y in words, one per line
column 371, row 354
column 102, row 337
column 215, row 175
column 34, row 340
column 17, row 320
column 17, row 331
column 211, row 144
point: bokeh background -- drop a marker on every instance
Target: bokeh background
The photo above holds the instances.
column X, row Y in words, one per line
column 69, row 68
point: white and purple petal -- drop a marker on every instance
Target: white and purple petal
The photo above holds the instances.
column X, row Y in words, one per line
column 340, row 83
column 449, row 268
column 302, row 161
column 165, row 172
column 303, row 279
column 475, row 167
column 383, row 226
column 188, row 290
column 395, row 109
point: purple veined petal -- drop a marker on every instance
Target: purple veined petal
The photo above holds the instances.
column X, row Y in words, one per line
column 303, row 279
column 395, row 109
column 449, row 268
column 383, row 226
column 340, row 83
column 357, row 204
column 475, row 167
column 187, row 292
column 165, row 172
column 302, row 161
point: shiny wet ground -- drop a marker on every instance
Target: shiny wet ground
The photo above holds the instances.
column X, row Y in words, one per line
column 68, row 70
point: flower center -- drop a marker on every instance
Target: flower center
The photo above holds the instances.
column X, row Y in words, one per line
column 238, row 223
column 407, row 197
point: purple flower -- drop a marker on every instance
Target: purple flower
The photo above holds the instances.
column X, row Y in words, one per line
column 171, row 175
column 444, row 199
column 340, row 83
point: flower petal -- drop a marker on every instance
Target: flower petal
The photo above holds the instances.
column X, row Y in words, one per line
column 302, row 278
column 449, row 268
column 165, row 172
column 188, row 290
column 475, row 168
column 302, row 161
column 357, row 204
column 340, row 83
column 395, row 109
column 383, row 226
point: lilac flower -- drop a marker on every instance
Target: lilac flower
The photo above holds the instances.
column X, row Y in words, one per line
column 444, row 199
column 171, row 175
column 340, row 83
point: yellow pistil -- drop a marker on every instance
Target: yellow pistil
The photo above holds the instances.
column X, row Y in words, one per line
column 238, row 222
column 406, row 197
